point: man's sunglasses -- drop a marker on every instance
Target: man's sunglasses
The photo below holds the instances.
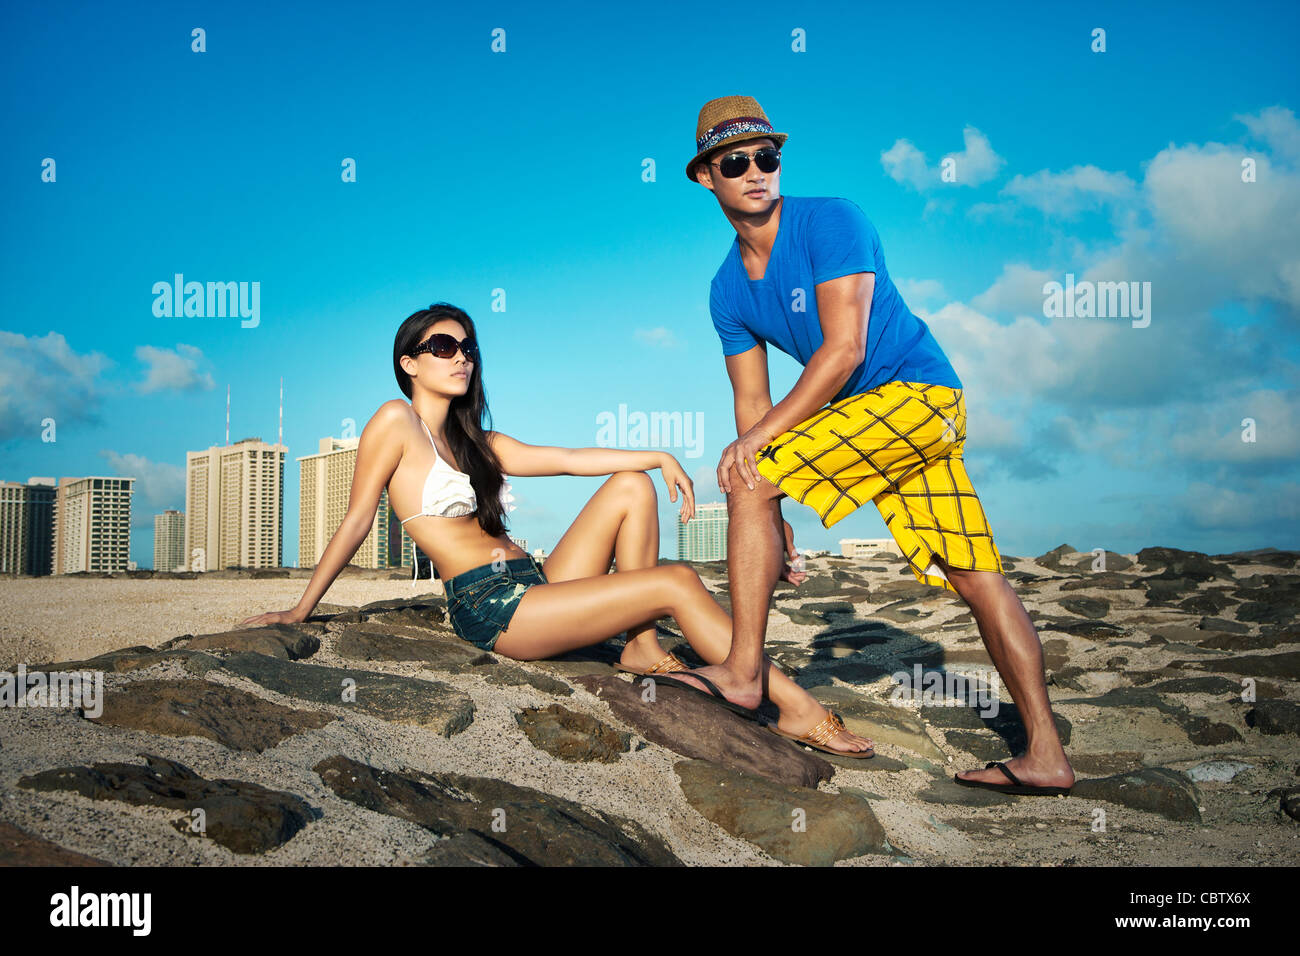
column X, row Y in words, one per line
column 444, row 346
column 767, row 159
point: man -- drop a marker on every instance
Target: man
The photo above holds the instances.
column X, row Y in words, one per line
column 877, row 415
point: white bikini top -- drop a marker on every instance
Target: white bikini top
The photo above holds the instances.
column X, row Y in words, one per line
column 448, row 493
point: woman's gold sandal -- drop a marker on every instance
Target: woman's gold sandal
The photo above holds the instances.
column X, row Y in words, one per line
column 668, row 665
column 819, row 738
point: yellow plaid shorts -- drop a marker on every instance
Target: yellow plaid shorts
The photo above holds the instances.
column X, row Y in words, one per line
column 899, row 446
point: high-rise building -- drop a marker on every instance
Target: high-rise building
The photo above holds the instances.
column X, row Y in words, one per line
column 325, row 486
column 92, row 524
column 866, row 547
column 522, row 542
column 704, row 537
column 234, row 506
column 26, row 526
column 169, row 541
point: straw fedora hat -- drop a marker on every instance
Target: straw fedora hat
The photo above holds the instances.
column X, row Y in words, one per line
column 730, row 119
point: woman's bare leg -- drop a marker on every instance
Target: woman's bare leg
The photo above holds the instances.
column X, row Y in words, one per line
column 620, row 522
column 554, row 618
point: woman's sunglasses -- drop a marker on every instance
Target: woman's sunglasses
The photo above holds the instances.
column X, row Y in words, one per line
column 444, row 346
column 766, row 159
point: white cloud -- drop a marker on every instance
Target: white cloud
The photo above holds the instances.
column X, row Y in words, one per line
column 973, row 166
column 1019, row 290
column 659, row 337
column 1068, row 193
column 920, row 290
column 42, row 377
column 1276, row 126
column 177, row 369
column 158, row 485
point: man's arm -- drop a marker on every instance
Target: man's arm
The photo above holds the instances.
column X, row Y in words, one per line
column 843, row 307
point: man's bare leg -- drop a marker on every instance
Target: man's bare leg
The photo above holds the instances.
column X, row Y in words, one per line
column 1013, row 644
column 755, row 546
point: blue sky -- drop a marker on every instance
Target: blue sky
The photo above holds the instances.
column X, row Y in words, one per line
column 522, row 171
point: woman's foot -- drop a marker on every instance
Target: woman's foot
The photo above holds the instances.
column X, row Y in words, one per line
column 801, row 721
column 646, row 655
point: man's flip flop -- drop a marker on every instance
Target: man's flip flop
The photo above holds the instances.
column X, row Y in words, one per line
column 819, row 738
column 712, row 694
column 670, row 664
column 1015, row 786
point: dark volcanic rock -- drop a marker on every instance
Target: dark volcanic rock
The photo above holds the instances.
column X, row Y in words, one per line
column 20, row 848
column 572, row 736
column 1286, row 664
column 1210, row 601
column 1113, row 561
column 1155, row 789
column 467, row 849
column 1103, row 580
column 195, row 708
column 1092, row 607
column 792, row 824
column 373, row 642
column 693, row 726
column 1281, row 559
column 1052, row 559
column 243, row 817
column 290, row 642
column 135, row 658
column 1275, row 717
column 1183, row 564
column 405, row 700
column 532, row 827
column 1093, row 630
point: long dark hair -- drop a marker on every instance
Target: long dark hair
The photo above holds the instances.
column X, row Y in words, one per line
column 465, row 432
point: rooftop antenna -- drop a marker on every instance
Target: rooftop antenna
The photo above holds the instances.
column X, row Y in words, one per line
column 279, row 439
column 227, row 414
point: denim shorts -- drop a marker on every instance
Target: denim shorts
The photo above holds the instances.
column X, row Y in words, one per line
column 481, row 601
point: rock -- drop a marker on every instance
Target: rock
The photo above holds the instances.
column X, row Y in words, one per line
column 1052, row 559
column 243, row 817
column 1290, row 804
column 695, row 727
column 1285, row 664
column 944, row 789
column 1183, row 564
column 1120, row 761
column 137, row 658
column 1093, row 630
column 1272, row 556
column 1260, row 612
column 572, row 736
column 404, row 700
column 1219, row 686
column 791, row 824
column 1113, row 561
column 20, row 848
column 467, row 849
column 1102, row 580
column 1217, row 771
column 195, row 708
column 1091, row 607
column 1162, row 592
column 373, row 642
column 290, row 642
column 1209, row 601
column 984, row 746
column 498, row 672
column 828, row 607
column 804, row 617
column 533, row 827
column 1154, row 789
column 1275, row 717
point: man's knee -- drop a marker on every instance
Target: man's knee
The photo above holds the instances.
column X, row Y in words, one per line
column 741, row 494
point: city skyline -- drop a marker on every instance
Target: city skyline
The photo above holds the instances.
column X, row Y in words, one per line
column 571, row 237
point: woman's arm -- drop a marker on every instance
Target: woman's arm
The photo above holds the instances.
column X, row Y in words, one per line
column 524, row 460
column 378, row 454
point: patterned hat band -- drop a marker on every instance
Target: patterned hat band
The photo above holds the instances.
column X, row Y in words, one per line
column 729, row 128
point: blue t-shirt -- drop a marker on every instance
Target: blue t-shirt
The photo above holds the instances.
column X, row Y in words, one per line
column 818, row 239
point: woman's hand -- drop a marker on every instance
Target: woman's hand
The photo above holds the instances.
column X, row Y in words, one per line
column 793, row 567
column 293, row 616
column 674, row 478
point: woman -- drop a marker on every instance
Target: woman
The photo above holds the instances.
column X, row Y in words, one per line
column 499, row 598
